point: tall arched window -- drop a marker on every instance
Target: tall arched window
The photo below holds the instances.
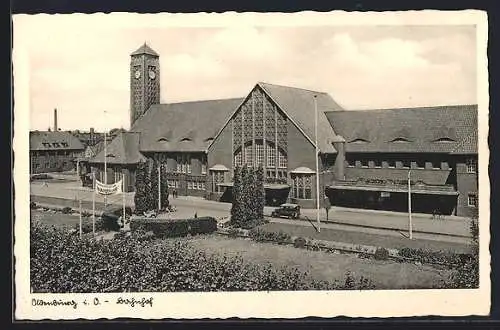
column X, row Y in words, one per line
column 238, row 158
column 266, row 155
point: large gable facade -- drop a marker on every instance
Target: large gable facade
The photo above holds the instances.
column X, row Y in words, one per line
column 363, row 156
column 274, row 128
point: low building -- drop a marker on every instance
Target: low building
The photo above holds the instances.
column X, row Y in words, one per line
column 53, row 151
column 435, row 146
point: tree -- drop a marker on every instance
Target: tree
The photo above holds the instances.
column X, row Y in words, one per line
column 154, row 185
column 236, row 207
column 248, row 197
column 164, row 186
column 147, row 183
column 140, row 199
column 259, row 195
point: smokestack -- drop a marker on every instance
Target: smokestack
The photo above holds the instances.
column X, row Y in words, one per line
column 55, row 120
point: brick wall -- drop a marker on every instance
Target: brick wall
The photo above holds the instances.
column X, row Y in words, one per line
column 52, row 161
column 466, row 184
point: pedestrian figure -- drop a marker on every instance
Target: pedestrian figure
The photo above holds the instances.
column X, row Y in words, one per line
column 196, row 215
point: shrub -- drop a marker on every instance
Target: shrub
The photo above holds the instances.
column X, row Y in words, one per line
column 300, row 242
column 313, row 245
column 175, row 228
column 381, row 254
column 260, row 235
column 67, row 210
column 33, row 205
column 87, row 225
column 349, row 280
column 64, row 263
column 142, row 235
column 234, row 232
column 110, row 222
column 140, row 199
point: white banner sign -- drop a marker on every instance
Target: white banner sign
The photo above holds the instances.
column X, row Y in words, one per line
column 108, row 189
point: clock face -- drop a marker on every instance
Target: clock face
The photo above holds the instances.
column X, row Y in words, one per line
column 152, row 74
column 137, row 74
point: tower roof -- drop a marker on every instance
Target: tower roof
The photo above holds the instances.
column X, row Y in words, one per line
column 145, row 49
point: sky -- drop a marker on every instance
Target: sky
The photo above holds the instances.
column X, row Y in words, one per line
column 83, row 69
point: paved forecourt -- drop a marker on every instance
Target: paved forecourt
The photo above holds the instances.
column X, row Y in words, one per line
column 56, row 193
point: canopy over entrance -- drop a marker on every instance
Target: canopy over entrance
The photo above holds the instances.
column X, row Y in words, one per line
column 218, row 167
column 302, row 170
column 271, row 186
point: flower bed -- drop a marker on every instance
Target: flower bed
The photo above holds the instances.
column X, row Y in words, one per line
column 448, row 259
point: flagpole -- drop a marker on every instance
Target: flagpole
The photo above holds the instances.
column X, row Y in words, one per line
column 159, row 187
column 409, row 205
column 105, row 164
column 80, row 214
column 123, row 194
column 93, row 203
column 316, row 157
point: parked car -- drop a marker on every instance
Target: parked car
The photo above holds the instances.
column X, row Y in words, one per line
column 291, row 211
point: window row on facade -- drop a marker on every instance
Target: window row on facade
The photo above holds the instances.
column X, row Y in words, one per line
column 53, row 153
column 471, row 164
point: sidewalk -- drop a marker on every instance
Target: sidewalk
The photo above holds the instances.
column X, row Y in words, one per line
column 68, row 194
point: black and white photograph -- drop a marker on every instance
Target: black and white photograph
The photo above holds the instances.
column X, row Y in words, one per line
column 251, row 165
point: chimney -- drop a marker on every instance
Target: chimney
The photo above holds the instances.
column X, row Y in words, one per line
column 55, row 120
column 339, row 145
column 92, row 138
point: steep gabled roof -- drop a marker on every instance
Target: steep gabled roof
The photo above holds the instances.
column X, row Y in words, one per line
column 186, row 126
column 60, row 140
column 298, row 104
column 124, row 149
column 440, row 129
column 145, row 49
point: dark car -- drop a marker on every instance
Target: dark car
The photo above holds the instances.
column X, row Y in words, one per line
column 291, row 211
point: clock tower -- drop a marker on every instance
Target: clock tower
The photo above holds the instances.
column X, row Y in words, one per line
column 144, row 81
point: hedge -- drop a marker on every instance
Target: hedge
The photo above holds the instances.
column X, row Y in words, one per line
column 64, row 263
column 175, row 228
column 87, row 225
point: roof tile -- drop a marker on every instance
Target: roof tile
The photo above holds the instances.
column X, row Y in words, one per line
column 440, row 129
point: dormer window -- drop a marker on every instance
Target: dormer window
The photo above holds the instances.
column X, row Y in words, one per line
column 185, row 139
column 210, row 139
column 444, row 140
column 162, row 139
column 359, row 140
column 110, row 155
column 400, row 140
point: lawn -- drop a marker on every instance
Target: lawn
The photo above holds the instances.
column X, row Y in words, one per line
column 59, row 219
column 327, row 266
column 392, row 242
